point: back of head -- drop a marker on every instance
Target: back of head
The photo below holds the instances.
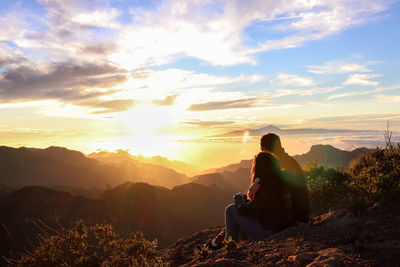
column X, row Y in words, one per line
column 271, row 142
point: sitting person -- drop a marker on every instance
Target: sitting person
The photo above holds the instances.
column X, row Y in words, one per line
column 294, row 179
column 263, row 215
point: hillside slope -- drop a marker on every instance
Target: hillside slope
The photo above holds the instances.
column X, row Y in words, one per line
column 142, row 172
column 231, row 181
column 333, row 239
column 165, row 214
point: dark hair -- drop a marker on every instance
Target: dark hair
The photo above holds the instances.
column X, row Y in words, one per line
column 271, row 142
column 265, row 165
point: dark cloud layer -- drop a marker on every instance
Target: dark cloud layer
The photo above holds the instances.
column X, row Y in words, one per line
column 230, row 104
column 4, row 61
column 98, row 49
column 7, row 59
column 67, row 82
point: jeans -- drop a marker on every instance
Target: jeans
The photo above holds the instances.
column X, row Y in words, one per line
column 238, row 225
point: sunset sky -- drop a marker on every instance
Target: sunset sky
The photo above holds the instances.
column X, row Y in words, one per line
column 167, row 77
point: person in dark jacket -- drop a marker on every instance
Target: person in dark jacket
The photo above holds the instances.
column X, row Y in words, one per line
column 263, row 215
column 269, row 204
column 294, row 179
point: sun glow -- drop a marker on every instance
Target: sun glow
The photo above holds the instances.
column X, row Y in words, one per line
column 146, row 127
column 144, row 120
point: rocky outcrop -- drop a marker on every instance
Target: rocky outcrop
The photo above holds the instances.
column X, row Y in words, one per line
column 332, row 239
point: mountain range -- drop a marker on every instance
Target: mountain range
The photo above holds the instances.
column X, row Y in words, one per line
column 325, row 155
column 236, row 177
column 61, row 167
column 329, row 156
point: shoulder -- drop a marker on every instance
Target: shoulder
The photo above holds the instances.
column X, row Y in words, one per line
column 291, row 165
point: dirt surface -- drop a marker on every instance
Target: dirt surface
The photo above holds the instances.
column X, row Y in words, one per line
column 333, row 239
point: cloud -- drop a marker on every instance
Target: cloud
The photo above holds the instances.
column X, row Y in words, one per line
column 99, row 49
column 27, row 130
column 61, row 31
column 207, row 123
column 9, row 57
column 108, row 106
column 5, row 60
column 70, row 37
column 304, row 92
column 387, row 88
column 229, row 104
column 77, row 13
column 294, row 80
column 82, row 84
column 356, row 119
column 64, row 81
column 156, row 85
column 377, row 90
column 362, row 79
column 388, row 98
column 347, row 94
column 317, row 20
column 168, row 101
column 97, row 18
column 334, row 67
column 214, row 32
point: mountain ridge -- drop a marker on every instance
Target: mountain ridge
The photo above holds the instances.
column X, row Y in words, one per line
column 59, row 166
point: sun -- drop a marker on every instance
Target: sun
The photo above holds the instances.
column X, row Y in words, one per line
column 146, row 126
column 144, row 120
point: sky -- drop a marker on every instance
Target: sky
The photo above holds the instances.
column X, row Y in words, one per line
column 172, row 78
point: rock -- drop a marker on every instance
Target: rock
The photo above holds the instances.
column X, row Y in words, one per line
column 358, row 245
column 346, row 220
column 370, row 222
column 331, row 216
column 340, row 213
column 302, row 258
column 334, row 239
column 224, row 263
column 374, row 207
column 330, row 257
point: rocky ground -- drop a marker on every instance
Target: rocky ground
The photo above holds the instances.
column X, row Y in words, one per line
column 333, row 239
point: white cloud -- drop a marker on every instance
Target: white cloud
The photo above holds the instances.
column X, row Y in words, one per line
column 319, row 19
column 304, row 92
column 388, row 98
column 333, row 67
column 347, row 94
column 149, row 85
column 294, row 80
column 387, row 88
column 362, row 79
column 214, row 32
column 377, row 90
column 98, row 18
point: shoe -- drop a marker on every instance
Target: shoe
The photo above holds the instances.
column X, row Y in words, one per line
column 211, row 247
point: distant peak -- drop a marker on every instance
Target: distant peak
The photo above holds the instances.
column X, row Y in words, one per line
column 323, row 149
column 270, row 128
column 320, row 146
